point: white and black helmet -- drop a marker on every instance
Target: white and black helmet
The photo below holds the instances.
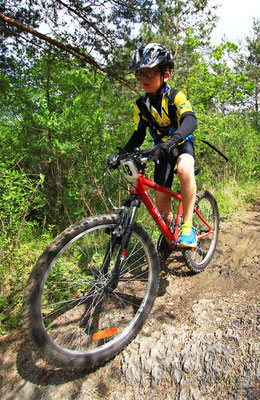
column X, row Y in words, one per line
column 151, row 55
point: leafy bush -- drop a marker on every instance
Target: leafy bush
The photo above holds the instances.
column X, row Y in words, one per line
column 16, row 262
column 233, row 135
column 19, row 197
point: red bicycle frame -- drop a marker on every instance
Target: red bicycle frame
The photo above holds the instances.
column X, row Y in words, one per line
column 140, row 190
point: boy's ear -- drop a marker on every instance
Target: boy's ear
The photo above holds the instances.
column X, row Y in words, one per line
column 166, row 76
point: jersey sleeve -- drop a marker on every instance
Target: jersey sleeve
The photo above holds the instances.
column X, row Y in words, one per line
column 186, row 119
column 182, row 105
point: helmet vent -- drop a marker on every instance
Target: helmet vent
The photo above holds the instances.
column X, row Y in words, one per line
column 151, row 55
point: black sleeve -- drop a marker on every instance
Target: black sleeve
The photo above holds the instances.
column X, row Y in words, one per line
column 136, row 140
column 188, row 124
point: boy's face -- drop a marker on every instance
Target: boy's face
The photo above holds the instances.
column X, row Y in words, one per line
column 151, row 79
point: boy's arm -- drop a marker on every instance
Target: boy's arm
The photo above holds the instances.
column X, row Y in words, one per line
column 187, row 121
column 136, row 140
column 139, row 134
column 188, row 124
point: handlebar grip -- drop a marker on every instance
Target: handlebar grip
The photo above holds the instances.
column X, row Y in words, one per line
column 113, row 161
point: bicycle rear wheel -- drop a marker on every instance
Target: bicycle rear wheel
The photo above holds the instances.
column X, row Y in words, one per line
column 205, row 206
column 72, row 320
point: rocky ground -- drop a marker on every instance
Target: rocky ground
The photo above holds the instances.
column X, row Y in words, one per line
column 201, row 340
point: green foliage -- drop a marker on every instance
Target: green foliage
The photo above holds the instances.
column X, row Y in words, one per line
column 16, row 261
column 213, row 84
column 234, row 197
column 19, row 198
column 69, row 123
column 234, row 136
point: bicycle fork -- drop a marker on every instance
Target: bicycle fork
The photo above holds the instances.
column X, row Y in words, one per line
column 125, row 234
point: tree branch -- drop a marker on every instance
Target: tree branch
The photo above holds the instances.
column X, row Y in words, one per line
column 76, row 52
column 87, row 22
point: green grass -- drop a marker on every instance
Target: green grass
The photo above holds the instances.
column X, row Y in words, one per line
column 234, row 197
column 16, row 262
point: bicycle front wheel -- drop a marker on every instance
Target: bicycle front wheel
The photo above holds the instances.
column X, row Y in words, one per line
column 73, row 321
column 206, row 224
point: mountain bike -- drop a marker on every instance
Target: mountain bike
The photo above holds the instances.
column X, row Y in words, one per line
column 93, row 287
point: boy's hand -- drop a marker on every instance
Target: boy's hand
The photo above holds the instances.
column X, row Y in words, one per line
column 164, row 150
column 113, row 161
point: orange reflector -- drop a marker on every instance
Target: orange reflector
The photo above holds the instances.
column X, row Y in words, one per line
column 105, row 333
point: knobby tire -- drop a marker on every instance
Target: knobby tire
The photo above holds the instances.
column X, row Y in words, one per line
column 71, row 320
column 198, row 258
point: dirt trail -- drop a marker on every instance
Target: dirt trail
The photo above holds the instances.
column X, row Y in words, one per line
column 201, row 336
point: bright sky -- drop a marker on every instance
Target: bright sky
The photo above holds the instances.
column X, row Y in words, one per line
column 236, row 19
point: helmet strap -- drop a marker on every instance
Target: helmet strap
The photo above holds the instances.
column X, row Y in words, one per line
column 159, row 91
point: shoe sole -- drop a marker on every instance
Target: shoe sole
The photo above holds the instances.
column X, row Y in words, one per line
column 186, row 245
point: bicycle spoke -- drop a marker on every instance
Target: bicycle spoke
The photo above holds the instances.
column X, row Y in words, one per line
column 125, row 298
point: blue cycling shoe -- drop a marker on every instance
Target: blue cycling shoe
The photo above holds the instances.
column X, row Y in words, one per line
column 187, row 236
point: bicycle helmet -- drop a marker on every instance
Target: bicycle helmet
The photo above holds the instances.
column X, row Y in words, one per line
column 151, row 55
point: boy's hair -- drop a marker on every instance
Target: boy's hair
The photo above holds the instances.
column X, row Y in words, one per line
column 165, row 68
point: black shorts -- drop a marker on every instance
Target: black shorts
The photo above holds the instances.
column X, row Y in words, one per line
column 163, row 173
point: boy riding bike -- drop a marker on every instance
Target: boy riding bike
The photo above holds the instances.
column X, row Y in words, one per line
column 170, row 119
column 93, row 287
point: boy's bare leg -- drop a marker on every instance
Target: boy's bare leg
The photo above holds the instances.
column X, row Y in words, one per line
column 185, row 170
column 163, row 203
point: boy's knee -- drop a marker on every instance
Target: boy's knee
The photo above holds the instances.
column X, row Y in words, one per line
column 185, row 167
column 185, row 176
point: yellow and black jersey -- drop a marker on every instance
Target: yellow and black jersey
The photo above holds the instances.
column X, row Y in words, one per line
column 164, row 115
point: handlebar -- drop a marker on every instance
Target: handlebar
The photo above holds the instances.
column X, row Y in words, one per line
column 139, row 156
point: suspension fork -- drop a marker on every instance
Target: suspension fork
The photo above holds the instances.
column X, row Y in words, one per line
column 127, row 232
column 115, row 238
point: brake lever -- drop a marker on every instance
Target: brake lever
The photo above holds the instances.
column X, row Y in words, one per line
column 121, row 150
